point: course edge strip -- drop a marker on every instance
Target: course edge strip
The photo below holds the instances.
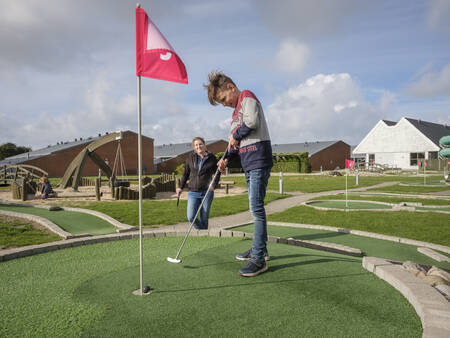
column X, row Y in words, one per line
column 431, row 307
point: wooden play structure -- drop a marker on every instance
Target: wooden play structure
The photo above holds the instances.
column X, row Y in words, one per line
column 22, row 178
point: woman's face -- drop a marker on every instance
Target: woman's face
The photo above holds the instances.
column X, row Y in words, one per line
column 199, row 147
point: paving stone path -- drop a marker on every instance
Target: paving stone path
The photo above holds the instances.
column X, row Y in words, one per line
column 271, row 208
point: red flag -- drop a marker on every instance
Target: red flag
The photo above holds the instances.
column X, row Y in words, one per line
column 349, row 164
column 155, row 57
column 418, row 163
column 448, row 162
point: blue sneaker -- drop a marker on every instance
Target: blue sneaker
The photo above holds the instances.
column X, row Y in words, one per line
column 253, row 269
column 245, row 256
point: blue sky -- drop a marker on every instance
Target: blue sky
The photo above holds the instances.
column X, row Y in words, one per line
column 323, row 69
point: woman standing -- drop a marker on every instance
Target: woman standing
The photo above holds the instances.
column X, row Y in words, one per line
column 200, row 168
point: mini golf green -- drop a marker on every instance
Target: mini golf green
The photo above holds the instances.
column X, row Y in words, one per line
column 87, row 291
column 70, row 221
column 368, row 245
column 431, row 183
column 350, row 204
column 442, row 208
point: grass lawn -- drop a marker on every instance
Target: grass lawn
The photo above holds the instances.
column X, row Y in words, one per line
column 423, row 226
column 15, row 232
column 369, row 246
column 386, row 199
column 70, row 221
column 317, row 183
column 156, row 213
column 86, row 291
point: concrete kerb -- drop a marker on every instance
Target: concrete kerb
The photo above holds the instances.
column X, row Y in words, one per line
column 433, row 254
column 439, row 247
column 432, row 307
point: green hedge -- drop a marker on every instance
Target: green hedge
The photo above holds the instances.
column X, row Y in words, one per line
column 291, row 162
column 285, row 162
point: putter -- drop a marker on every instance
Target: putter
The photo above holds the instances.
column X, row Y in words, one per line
column 176, row 214
column 177, row 259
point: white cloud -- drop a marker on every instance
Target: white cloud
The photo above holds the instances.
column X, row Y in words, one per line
column 438, row 14
column 324, row 107
column 292, row 56
column 431, row 84
column 387, row 100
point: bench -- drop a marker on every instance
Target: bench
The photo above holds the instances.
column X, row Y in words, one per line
column 227, row 185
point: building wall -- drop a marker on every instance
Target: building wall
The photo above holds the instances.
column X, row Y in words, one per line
column 57, row 163
column 170, row 165
column 330, row 158
column 392, row 145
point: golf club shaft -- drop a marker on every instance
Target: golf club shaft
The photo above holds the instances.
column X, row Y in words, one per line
column 200, row 206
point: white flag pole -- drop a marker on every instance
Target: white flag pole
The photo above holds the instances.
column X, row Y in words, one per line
column 424, row 169
column 140, row 182
column 346, row 196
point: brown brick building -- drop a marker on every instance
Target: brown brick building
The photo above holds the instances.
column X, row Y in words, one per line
column 55, row 159
column 327, row 155
column 170, row 156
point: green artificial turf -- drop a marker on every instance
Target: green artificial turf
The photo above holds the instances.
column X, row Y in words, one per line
column 433, row 209
column 349, row 205
column 70, row 221
column 386, row 199
column 410, row 189
column 368, row 246
column 86, row 291
column 156, row 213
column 423, row 226
column 16, row 232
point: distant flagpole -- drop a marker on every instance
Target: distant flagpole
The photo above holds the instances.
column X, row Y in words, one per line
column 346, row 192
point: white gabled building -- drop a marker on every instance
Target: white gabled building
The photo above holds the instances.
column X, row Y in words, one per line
column 401, row 144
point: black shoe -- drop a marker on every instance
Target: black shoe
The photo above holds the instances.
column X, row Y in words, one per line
column 253, row 269
column 245, row 256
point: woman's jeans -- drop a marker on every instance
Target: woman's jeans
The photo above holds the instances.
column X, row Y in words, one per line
column 256, row 185
column 194, row 200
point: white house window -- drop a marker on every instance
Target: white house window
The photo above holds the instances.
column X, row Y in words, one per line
column 414, row 157
column 432, row 155
column 371, row 158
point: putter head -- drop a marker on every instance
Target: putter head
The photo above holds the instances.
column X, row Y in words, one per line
column 173, row 260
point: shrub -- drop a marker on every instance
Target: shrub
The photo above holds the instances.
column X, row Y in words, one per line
column 179, row 170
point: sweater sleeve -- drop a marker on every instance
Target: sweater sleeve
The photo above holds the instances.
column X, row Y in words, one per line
column 250, row 121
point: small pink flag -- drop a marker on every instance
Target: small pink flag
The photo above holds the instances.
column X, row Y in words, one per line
column 349, row 164
column 418, row 163
column 155, row 57
column 424, row 163
column 448, row 162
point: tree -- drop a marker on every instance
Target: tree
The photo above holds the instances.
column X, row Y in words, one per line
column 10, row 149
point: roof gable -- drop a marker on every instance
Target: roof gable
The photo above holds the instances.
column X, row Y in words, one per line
column 432, row 131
